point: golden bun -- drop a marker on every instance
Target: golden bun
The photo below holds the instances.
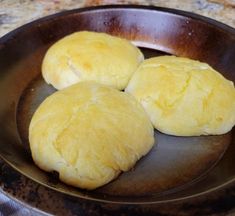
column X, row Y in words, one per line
column 184, row 97
column 90, row 56
column 89, row 133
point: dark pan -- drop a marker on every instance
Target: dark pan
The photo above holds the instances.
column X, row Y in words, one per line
column 177, row 167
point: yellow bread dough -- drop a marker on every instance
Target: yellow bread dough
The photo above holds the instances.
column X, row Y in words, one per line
column 90, row 56
column 89, row 133
column 184, row 97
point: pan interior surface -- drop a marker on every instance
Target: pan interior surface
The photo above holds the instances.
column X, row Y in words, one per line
column 176, row 167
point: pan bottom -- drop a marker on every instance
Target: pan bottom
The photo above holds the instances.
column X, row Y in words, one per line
column 173, row 164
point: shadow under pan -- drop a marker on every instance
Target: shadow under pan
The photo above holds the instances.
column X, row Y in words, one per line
column 176, row 167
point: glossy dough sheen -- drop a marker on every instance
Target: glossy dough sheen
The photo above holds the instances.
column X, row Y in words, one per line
column 90, row 56
column 184, row 97
column 89, row 133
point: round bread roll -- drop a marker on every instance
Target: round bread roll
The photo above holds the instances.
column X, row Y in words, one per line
column 90, row 56
column 184, row 97
column 89, row 133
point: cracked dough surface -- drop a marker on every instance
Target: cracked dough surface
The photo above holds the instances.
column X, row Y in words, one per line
column 184, row 97
column 89, row 133
column 90, row 56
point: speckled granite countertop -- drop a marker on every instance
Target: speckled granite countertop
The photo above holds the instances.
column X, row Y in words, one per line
column 14, row 13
